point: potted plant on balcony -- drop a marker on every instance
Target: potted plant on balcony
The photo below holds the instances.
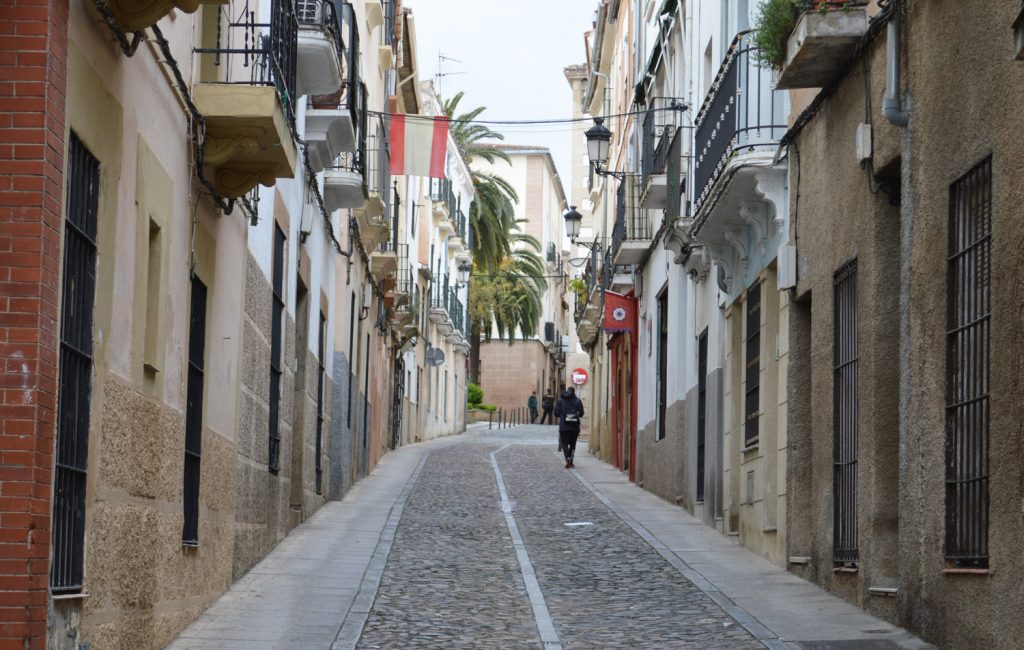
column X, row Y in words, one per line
column 776, row 22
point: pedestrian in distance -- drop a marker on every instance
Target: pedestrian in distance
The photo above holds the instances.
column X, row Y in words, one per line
column 548, row 404
column 531, row 404
column 570, row 410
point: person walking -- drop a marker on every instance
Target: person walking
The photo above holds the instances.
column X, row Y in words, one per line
column 531, row 403
column 569, row 409
column 548, row 404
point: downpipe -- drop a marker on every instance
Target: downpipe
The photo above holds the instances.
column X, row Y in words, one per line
column 892, row 105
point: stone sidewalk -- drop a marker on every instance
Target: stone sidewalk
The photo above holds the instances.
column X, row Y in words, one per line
column 331, row 584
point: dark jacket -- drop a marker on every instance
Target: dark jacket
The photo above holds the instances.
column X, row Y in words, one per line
column 569, row 410
column 548, row 402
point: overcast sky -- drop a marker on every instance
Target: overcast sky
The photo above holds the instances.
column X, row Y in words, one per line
column 512, row 56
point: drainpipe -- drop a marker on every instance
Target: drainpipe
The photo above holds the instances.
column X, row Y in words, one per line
column 892, row 106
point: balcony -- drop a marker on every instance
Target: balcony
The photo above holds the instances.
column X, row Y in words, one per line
column 388, row 255
column 343, row 183
column 457, row 313
column 740, row 190
column 405, row 279
column 661, row 129
column 378, row 172
column 334, row 120
column 439, row 303
column 822, row 42
column 321, row 49
column 631, row 235
column 443, row 199
column 137, row 15
column 249, row 122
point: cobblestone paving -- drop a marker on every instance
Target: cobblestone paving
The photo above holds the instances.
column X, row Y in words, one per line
column 605, row 586
column 452, row 579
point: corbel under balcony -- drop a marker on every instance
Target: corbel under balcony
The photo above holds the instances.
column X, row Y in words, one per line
column 247, row 140
column 820, row 44
column 439, row 209
column 446, row 227
column 463, row 255
column 445, row 327
column 382, row 263
column 454, row 337
column 136, row 15
column 678, row 240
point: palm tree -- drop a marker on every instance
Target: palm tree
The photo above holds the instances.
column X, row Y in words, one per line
column 509, row 283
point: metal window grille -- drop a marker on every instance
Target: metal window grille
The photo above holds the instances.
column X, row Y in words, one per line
column 321, row 372
column 79, row 289
column 662, row 364
column 366, row 395
column 702, row 387
column 845, row 409
column 752, row 394
column 194, row 411
column 967, row 367
column 276, row 364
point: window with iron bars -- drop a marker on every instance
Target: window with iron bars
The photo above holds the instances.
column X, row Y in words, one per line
column 845, row 410
column 752, row 394
column 276, row 351
column 194, row 411
column 76, row 359
column 967, row 367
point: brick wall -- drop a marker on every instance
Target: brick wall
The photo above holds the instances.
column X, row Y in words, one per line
column 33, row 49
column 508, row 373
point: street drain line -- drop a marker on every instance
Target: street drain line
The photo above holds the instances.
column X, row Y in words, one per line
column 545, row 625
column 359, row 612
column 746, row 620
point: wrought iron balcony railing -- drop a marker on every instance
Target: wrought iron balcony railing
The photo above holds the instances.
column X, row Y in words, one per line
column 378, row 167
column 661, row 125
column 268, row 53
column 442, row 191
column 631, row 221
column 344, row 26
column 742, row 112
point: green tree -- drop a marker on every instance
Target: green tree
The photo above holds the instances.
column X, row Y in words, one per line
column 508, row 285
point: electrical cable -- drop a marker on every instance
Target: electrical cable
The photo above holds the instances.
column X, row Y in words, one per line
column 568, row 120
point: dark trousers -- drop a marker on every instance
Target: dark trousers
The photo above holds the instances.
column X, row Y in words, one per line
column 568, row 440
column 547, row 418
column 533, row 415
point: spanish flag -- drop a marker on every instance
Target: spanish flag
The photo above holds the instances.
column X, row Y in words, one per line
column 419, row 144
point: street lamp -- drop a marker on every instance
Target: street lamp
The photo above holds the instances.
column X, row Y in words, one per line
column 464, row 268
column 573, row 220
column 598, row 141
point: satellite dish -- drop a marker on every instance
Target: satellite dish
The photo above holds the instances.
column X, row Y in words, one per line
column 435, row 357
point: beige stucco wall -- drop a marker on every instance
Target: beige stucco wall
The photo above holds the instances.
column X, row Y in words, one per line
column 757, row 515
column 966, row 92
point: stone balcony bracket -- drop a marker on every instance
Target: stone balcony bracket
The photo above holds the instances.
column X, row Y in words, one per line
column 136, row 15
column 247, row 140
column 679, row 241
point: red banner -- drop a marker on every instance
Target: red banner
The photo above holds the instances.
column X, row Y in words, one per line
column 619, row 312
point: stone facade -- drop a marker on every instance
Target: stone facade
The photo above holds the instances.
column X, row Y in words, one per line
column 509, row 373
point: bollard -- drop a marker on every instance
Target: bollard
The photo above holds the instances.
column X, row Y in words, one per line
column 490, row 420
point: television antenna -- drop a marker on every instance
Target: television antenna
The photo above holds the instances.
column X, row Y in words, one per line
column 441, row 58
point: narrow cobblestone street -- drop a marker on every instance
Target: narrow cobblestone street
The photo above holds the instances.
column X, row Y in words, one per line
column 486, row 541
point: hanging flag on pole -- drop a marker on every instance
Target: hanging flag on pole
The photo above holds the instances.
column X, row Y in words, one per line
column 418, row 145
